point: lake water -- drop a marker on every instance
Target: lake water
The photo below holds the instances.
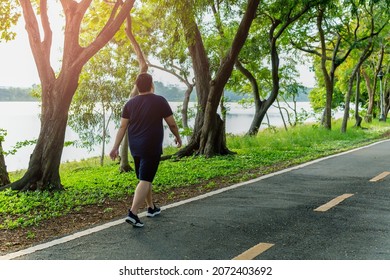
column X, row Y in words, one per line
column 21, row 121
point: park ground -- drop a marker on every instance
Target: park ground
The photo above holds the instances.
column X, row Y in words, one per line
column 94, row 214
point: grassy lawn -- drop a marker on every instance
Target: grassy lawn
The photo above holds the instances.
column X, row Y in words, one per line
column 88, row 183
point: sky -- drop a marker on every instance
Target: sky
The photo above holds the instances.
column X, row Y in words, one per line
column 17, row 66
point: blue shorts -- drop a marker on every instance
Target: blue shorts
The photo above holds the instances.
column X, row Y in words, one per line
column 146, row 167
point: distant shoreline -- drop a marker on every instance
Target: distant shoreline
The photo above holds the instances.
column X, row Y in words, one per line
column 15, row 94
column 21, row 100
column 170, row 92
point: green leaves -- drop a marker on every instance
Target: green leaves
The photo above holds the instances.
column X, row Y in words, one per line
column 9, row 16
column 3, row 133
column 104, row 87
column 18, row 145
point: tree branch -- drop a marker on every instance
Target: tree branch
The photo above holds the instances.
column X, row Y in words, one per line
column 229, row 60
column 47, row 41
column 111, row 27
column 292, row 19
column 40, row 53
column 307, row 50
column 116, row 5
column 143, row 65
column 252, row 80
column 170, row 72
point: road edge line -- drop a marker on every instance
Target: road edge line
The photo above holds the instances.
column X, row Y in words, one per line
column 82, row 233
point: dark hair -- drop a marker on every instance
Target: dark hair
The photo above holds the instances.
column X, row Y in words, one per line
column 144, row 82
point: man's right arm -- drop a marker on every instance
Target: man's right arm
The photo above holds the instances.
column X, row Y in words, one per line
column 119, row 136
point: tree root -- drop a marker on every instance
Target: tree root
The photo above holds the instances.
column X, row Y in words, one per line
column 24, row 185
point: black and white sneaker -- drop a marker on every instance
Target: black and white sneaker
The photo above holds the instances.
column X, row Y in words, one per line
column 153, row 211
column 133, row 220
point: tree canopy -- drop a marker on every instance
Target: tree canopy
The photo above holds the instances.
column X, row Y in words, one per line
column 9, row 16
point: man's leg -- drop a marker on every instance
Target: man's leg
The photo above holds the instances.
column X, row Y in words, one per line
column 142, row 192
column 149, row 197
column 153, row 210
column 146, row 169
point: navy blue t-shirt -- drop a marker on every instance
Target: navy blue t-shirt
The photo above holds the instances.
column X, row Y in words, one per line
column 146, row 131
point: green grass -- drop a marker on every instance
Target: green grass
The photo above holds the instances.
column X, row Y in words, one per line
column 88, row 183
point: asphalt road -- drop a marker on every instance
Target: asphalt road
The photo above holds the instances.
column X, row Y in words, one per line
column 277, row 216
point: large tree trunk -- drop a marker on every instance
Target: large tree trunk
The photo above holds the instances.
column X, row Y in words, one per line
column 328, row 78
column 365, row 54
column 327, row 116
column 386, row 92
column 382, row 91
column 261, row 106
column 209, row 136
column 387, row 104
column 258, row 117
column 202, row 77
column 4, row 178
column 43, row 168
column 348, row 101
column 184, row 110
column 370, row 107
column 57, row 92
column 277, row 28
column 358, row 118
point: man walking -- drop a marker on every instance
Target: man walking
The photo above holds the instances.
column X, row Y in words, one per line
column 142, row 117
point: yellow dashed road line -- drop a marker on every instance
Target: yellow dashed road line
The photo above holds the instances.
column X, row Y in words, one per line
column 254, row 251
column 380, row 176
column 333, row 202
